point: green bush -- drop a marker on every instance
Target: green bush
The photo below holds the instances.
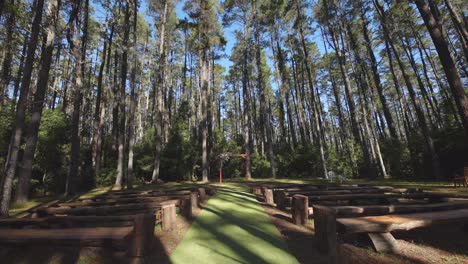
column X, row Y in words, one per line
column 51, row 150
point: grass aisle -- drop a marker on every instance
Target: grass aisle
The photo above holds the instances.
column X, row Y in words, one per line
column 232, row 228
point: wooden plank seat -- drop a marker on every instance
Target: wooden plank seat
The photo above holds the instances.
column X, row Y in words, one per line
column 134, row 195
column 302, row 208
column 389, row 223
column 364, row 196
column 368, row 210
column 186, row 203
column 169, row 190
column 165, row 212
column 131, row 233
column 284, row 199
column 328, row 226
column 111, row 233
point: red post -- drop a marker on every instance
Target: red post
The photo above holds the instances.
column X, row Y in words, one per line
column 245, row 156
column 221, row 172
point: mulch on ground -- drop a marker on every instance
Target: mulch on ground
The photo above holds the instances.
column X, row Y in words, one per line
column 434, row 245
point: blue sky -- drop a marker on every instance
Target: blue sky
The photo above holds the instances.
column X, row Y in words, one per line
column 228, row 34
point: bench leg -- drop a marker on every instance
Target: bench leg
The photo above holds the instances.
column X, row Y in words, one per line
column 168, row 217
column 384, row 242
column 202, row 193
column 280, row 203
column 194, row 200
column 143, row 235
column 300, row 209
column 269, row 196
column 325, row 231
column 186, row 208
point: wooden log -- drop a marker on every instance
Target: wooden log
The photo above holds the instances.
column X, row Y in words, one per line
column 194, row 201
column 300, row 210
column 384, row 242
column 325, row 230
column 368, row 196
column 269, row 196
column 77, row 234
column 143, row 235
column 257, row 190
column 121, row 201
column 121, row 196
column 388, row 223
column 202, row 194
column 281, row 202
column 104, row 210
column 168, row 217
column 186, row 207
column 68, row 222
column 368, row 210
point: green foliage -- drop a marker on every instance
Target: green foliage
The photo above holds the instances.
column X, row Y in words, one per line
column 51, row 150
column 260, row 166
column 144, row 155
column 6, row 123
column 179, row 155
column 338, row 163
column 106, row 177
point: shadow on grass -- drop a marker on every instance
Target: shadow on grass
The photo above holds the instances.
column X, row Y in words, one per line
column 235, row 230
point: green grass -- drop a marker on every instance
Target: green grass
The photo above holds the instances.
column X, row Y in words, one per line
column 233, row 228
column 19, row 209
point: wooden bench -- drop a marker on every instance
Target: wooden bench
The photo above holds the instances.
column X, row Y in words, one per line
column 328, row 226
column 165, row 212
column 131, row 195
column 135, row 234
column 186, row 203
column 285, row 199
column 302, row 208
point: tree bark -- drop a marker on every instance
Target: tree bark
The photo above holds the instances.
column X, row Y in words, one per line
column 13, row 153
column 7, row 59
column 431, row 17
column 159, row 94
column 133, row 100
column 121, row 99
column 38, row 103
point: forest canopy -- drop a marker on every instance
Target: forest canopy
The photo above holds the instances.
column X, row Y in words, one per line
column 118, row 92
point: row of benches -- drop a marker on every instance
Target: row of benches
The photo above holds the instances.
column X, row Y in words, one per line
column 119, row 220
column 374, row 210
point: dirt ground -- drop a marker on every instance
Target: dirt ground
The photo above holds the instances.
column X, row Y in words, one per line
column 434, row 245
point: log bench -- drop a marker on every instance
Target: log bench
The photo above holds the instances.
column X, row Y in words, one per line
column 328, row 226
column 186, row 203
column 302, row 207
column 130, row 195
column 165, row 212
column 284, row 199
column 133, row 233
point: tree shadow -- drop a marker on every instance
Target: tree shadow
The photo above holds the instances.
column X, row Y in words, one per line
column 220, row 219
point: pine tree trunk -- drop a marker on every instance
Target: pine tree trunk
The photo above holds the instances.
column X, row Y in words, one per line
column 377, row 81
column 460, row 25
column 99, row 110
column 38, row 103
column 159, row 95
column 133, row 100
column 246, row 100
column 7, row 59
column 13, row 153
column 122, row 94
column 432, row 20
column 78, row 50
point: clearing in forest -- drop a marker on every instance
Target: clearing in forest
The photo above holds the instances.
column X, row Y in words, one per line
column 232, row 228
